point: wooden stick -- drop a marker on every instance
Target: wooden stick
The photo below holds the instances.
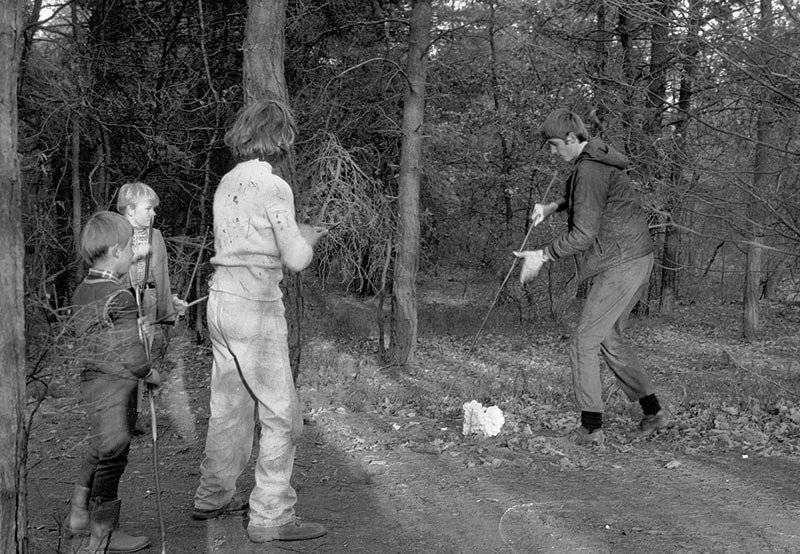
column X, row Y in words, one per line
column 189, row 305
column 510, row 270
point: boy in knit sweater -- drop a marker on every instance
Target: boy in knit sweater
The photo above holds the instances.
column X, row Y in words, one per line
column 256, row 236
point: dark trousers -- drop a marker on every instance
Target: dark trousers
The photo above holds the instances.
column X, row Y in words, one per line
column 612, row 296
column 107, row 400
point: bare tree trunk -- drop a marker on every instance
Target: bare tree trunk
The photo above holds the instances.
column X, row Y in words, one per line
column 508, row 201
column 600, row 63
column 75, row 158
column 751, row 316
column 669, row 267
column 763, row 176
column 264, row 49
column 670, row 258
column 13, row 434
column 404, row 299
column 626, row 36
column 75, row 182
column 204, row 225
column 264, row 74
column 653, row 172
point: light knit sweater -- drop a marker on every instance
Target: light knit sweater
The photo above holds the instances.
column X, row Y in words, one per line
column 247, row 260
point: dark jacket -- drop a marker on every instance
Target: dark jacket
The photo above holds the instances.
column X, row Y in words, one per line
column 106, row 330
column 606, row 224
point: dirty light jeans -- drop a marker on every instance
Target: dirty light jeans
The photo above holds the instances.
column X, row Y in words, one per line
column 612, row 296
column 250, row 372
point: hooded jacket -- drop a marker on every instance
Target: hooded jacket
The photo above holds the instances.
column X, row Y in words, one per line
column 606, row 224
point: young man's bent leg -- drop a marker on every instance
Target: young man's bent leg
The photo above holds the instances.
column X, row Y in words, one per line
column 634, row 381
column 611, row 296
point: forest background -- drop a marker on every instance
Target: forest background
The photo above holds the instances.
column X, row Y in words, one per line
column 702, row 96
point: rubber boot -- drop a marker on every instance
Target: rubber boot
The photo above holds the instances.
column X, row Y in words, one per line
column 78, row 519
column 105, row 537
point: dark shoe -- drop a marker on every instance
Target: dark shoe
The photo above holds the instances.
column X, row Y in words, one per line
column 236, row 505
column 583, row 437
column 651, row 424
column 292, row 531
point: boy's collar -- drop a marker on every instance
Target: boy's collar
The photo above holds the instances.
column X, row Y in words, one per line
column 104, row 274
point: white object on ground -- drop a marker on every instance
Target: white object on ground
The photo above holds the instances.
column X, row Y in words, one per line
column 480, row 420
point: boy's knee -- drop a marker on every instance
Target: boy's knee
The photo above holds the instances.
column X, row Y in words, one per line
column 114, row 444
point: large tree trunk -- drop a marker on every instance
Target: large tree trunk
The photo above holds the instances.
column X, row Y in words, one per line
column 404, row 299
column 13, row 435
column 763, row 179
column 652, row 171
column 264, row 74
column 263, row 49
column 679, row 160
column 505, row 161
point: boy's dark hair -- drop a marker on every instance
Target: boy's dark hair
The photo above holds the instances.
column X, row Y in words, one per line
column 562, row 122
column 264, row 129
column 101, row 232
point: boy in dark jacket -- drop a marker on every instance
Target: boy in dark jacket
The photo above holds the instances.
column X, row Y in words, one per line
column 607, row 233
column 111, row 352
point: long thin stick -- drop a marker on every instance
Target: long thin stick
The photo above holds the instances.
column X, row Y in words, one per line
column 510, row 270
column 496, row 296
column 154, row 427
column 153, row 421
column 189, row 305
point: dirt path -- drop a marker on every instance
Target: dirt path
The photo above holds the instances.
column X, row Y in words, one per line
column 386, row 475
column 410, row 485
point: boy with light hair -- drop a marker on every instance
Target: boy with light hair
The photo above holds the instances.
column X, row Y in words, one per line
column 138, row 203
column 148, row 275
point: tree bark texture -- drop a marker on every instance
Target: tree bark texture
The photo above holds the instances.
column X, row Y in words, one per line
column 13, row 514
column 264, row 74
column 679, row 160
column 763, row 179
column 263, row 49
column 404, row 299
column 75, row 184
